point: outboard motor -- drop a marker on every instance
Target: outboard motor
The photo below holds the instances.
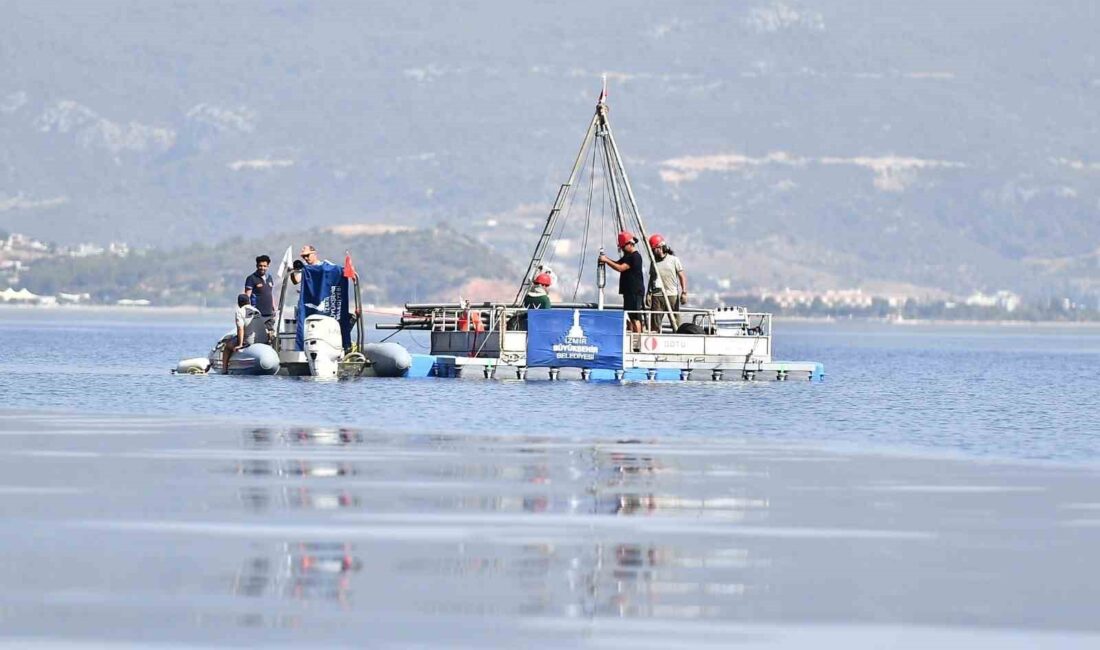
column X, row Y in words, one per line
column 323, row 345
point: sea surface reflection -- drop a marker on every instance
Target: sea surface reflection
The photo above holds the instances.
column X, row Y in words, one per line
column 589, row 575
column 301, row 571
column 345, row 535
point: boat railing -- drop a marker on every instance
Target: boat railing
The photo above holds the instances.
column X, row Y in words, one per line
column 498, row 317
column 448, row 318
column 462, row 320
column 708, row 321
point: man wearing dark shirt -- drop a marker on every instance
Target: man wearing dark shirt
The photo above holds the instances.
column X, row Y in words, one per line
column 631, row 279
column 258, row 288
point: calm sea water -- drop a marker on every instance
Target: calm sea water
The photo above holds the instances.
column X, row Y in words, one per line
column 138, row 507
column 1027, row 392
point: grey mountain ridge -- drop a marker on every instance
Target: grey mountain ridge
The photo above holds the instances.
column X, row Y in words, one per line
column 943, row 145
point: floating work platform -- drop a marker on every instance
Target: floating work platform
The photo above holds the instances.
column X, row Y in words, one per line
column 530, row 338
column 578, row 342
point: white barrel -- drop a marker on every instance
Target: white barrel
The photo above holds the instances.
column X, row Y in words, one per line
column 195, row 366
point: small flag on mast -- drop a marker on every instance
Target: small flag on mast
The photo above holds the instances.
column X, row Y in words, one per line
column 349, row 270
column 603, row 90
column 285, row 264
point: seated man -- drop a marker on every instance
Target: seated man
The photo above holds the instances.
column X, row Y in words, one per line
column 245, row 334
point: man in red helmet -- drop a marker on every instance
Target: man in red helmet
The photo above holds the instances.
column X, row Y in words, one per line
column 672, row 291
column 537, row 298
column 631, row 279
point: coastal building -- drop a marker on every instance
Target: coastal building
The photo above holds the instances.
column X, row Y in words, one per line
column 788, row 298
column 1005, row 300
column 18, row 242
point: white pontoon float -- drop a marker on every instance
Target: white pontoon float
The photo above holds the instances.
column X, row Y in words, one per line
column 590, row 340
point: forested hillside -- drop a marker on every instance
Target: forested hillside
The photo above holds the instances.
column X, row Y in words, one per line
column 393, row 268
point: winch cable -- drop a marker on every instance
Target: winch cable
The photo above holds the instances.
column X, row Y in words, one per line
column 475, row 350
column 587, row 225
column 604, row 233
column 624, row 205
column 609, row 186
column 605, row 196
column 619, row 202
column 606, row 205
column 565, row 218
column 413, row 340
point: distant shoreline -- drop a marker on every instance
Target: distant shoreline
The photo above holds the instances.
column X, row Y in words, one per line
column 827, row 320
column 151, row 309
column 160, row 310
column 396, row 310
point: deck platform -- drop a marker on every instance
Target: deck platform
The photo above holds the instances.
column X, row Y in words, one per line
column 491, row 368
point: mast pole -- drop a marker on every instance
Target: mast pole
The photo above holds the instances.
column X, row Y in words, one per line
column 552, row 218
column 613, row 186
column 286, row 270
column 658, row 283
column 609, row 170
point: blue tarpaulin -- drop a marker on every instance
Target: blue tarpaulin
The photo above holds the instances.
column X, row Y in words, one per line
column 575, row 338
column 325, row 292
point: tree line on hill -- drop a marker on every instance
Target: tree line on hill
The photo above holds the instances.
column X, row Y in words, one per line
column 911, row 309
column 394, row 268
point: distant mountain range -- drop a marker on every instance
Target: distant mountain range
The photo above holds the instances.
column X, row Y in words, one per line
column 923, row 146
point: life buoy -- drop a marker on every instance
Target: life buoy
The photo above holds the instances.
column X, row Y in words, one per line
column 470, row 321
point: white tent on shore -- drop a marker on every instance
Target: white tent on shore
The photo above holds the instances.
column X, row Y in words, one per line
column 11, row 295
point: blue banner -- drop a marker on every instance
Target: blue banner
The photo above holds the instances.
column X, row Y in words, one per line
column 575, row 338
column 325, row 292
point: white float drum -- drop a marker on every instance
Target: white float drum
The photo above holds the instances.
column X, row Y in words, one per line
column 195, row 366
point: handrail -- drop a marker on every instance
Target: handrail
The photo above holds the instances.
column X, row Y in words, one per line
column 495, row 319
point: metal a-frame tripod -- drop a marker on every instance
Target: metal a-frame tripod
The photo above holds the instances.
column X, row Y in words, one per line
column 627, row 215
